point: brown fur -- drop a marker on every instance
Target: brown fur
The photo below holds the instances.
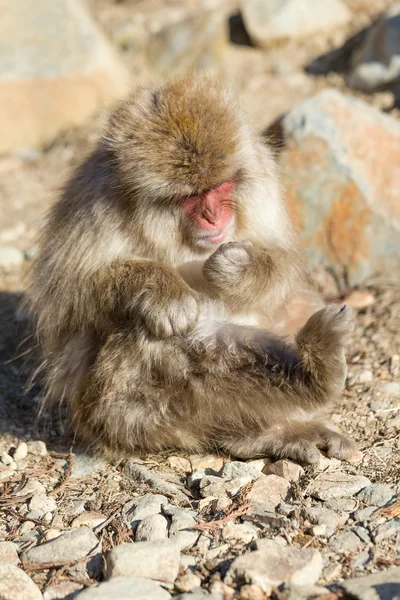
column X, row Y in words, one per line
column 145, row 334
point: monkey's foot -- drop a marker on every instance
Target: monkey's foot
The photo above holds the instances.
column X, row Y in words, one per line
column 305, row 445
column 328, row 329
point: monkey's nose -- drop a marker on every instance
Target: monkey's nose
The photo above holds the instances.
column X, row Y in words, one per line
column 210, row 216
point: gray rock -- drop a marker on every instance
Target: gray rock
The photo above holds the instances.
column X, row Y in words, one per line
column 195, row 476
column 37, row 448
column 376, row 63
column 302, row 592
column 10, row 257
column 221, row 488
column 337, row 485
column 274, row 565
column 360, row 560
column 180, row 529
column 198, row 595
column 386, row 530
column 337, row 202
column 67, row 590
column 21, row 451
column 8, row 553
column 57, row 69
column 364, row 514
column 377, row 494
column 268, row 22
column 286, row 469
column 188, row 582
column 383, row 585
column 233, row 469
column 319, row 515
column 15, row 584
column 362, row 533
column 186, row 37
column 151, row 560
column 125, row 588
column 342, row 504
column 85, row 464
column 142, row 474
column 242, row 533
column 68, row 546
column 152, row 528
column 267, row 493
column 141, row 507
column 41, row 503
column 345, row 541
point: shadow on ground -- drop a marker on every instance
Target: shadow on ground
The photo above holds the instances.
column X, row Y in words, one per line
column 20, row 390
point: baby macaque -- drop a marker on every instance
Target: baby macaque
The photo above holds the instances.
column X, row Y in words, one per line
column 164, row 271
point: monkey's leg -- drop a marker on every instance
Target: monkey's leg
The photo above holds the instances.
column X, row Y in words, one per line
column 279, row 406
column 234, row 388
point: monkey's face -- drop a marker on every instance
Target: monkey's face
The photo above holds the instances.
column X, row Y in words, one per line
column 208, row 217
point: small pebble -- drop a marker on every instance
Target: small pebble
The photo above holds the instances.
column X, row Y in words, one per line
column 37, row 448
column 187, row 582
column 21, row 451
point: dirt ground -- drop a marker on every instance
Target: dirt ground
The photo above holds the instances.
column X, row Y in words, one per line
column 369, row 410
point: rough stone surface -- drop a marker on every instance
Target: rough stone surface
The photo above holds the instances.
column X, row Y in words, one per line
column 152, row 560
column 274, row 565
column 21, row 451
column 268, row 22
column 377, row 62
column 186, row 36
column 345, row 541
column 67, row 590
column 180, row 529
column 152, row 528
column 156, row 481
column 85, row 464
column 377, row 494
column 68, row 546
column 268, row 492
column 334, row 184
column 42, row 503
column 337, row 485
column 319, row 515
column 56, row 70
column 384, row 585
column 386, row 530
column 14, row 584
column 234, row 469
column 125, row 588
column 144, row 506
column 239, row 532
column 8, row 553
column 37, row 448
column 286, row 469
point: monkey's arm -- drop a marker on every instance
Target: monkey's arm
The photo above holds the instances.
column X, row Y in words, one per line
column 245, row 276
column 147, row 290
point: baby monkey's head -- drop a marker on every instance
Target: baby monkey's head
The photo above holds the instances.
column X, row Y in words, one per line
column 183, row 146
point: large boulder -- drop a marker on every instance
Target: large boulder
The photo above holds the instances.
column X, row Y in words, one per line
column 56, row 69
column 341, row 167
column 270, row 22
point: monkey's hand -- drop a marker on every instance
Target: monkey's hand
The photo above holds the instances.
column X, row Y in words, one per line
column 170, row 310
column 241, row 273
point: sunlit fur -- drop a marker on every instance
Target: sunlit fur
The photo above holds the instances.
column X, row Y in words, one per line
column 158, row 341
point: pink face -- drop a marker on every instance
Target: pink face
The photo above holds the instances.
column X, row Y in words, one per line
column 210, row 214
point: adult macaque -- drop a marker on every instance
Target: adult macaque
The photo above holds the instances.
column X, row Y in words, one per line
column 163, row 270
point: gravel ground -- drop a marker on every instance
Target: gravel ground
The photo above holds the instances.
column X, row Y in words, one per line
column 322, row 525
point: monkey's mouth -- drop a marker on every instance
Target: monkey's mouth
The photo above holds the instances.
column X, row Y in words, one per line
column 214, row 238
